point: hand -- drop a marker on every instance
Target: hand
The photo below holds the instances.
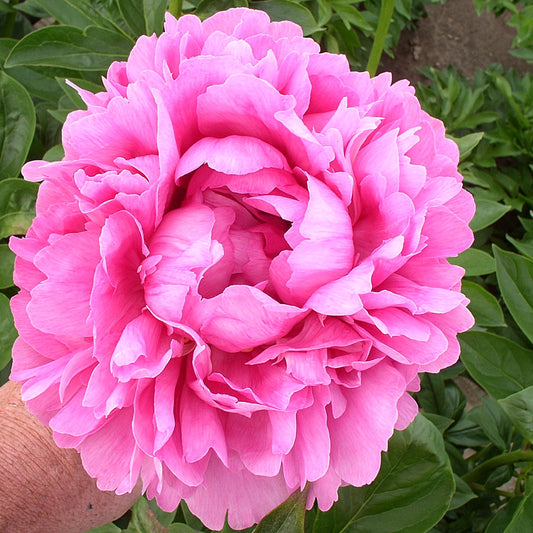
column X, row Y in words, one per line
column 43, row 488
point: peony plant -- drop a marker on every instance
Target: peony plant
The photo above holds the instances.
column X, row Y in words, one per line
column 238, row 269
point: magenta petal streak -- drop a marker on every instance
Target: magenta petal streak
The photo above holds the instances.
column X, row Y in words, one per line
column 238, row 270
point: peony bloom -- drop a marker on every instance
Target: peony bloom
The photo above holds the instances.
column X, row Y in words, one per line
column 238, row 269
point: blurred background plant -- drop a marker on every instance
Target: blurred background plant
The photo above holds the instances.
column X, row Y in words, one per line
column 485, row 445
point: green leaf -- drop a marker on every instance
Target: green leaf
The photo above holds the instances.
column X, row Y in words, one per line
column 467, row 143
column 192, row 520
column 483, row 305
column 494, row 422
column 154, row 15
column 515, row 273
column 323, row 12
column 487, row 212
column 17, row 124
column 8, row 333
column 466, row 433
column 523, row 516
column 79, row 13
column 498, row 476
column 462, row 495
column 502, row 518
column 108, row 528
column 499, row 365
column 475, row 262
column 182, row 528
column 15, row 223
column 17, row 195
column 143, row 519
column 56, row 153
column 206, row 8
column 440, row 397
column 288, row 10
column 38, row 81
column 442, row 423
column 525, row 246
column 7, row 260
column 411, row 493
column 70, row 47
column 5, row 8
column 350, row 16
column 287, row 517
column 519, row 407
column 162, row 517
column 133, row 14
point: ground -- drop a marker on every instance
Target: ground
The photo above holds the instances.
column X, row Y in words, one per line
column 453, row 33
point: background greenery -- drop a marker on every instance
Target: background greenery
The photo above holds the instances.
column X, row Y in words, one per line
column 453, row 469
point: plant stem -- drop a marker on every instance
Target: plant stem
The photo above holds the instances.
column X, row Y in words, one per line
column 175, row 8
column 9, row 24
column 385, row 17
column 503, row 459
column 504, row 493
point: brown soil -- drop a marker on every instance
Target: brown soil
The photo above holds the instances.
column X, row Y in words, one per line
column 453, row 33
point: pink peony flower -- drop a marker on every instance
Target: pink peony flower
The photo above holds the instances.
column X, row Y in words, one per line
column 238, row 269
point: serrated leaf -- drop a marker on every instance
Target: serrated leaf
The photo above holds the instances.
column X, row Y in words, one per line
column 498, row 364
column 410, row 495
column 519, row 407
column 514, row 273
column 70, row 47
column 483, row 305
column 487, row 212
column 8, row 333
column 17, row 124
column 475, row 262
column 287, row 517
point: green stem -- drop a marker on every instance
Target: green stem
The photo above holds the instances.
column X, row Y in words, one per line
column 9, row 24
column 504, row 459
column 504, row 493
column 385, row 17
column 175, row 8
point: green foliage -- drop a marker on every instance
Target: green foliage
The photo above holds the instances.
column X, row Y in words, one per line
column 447, row 471
column 491, row 117
column 289, row 516
column 411, row 493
